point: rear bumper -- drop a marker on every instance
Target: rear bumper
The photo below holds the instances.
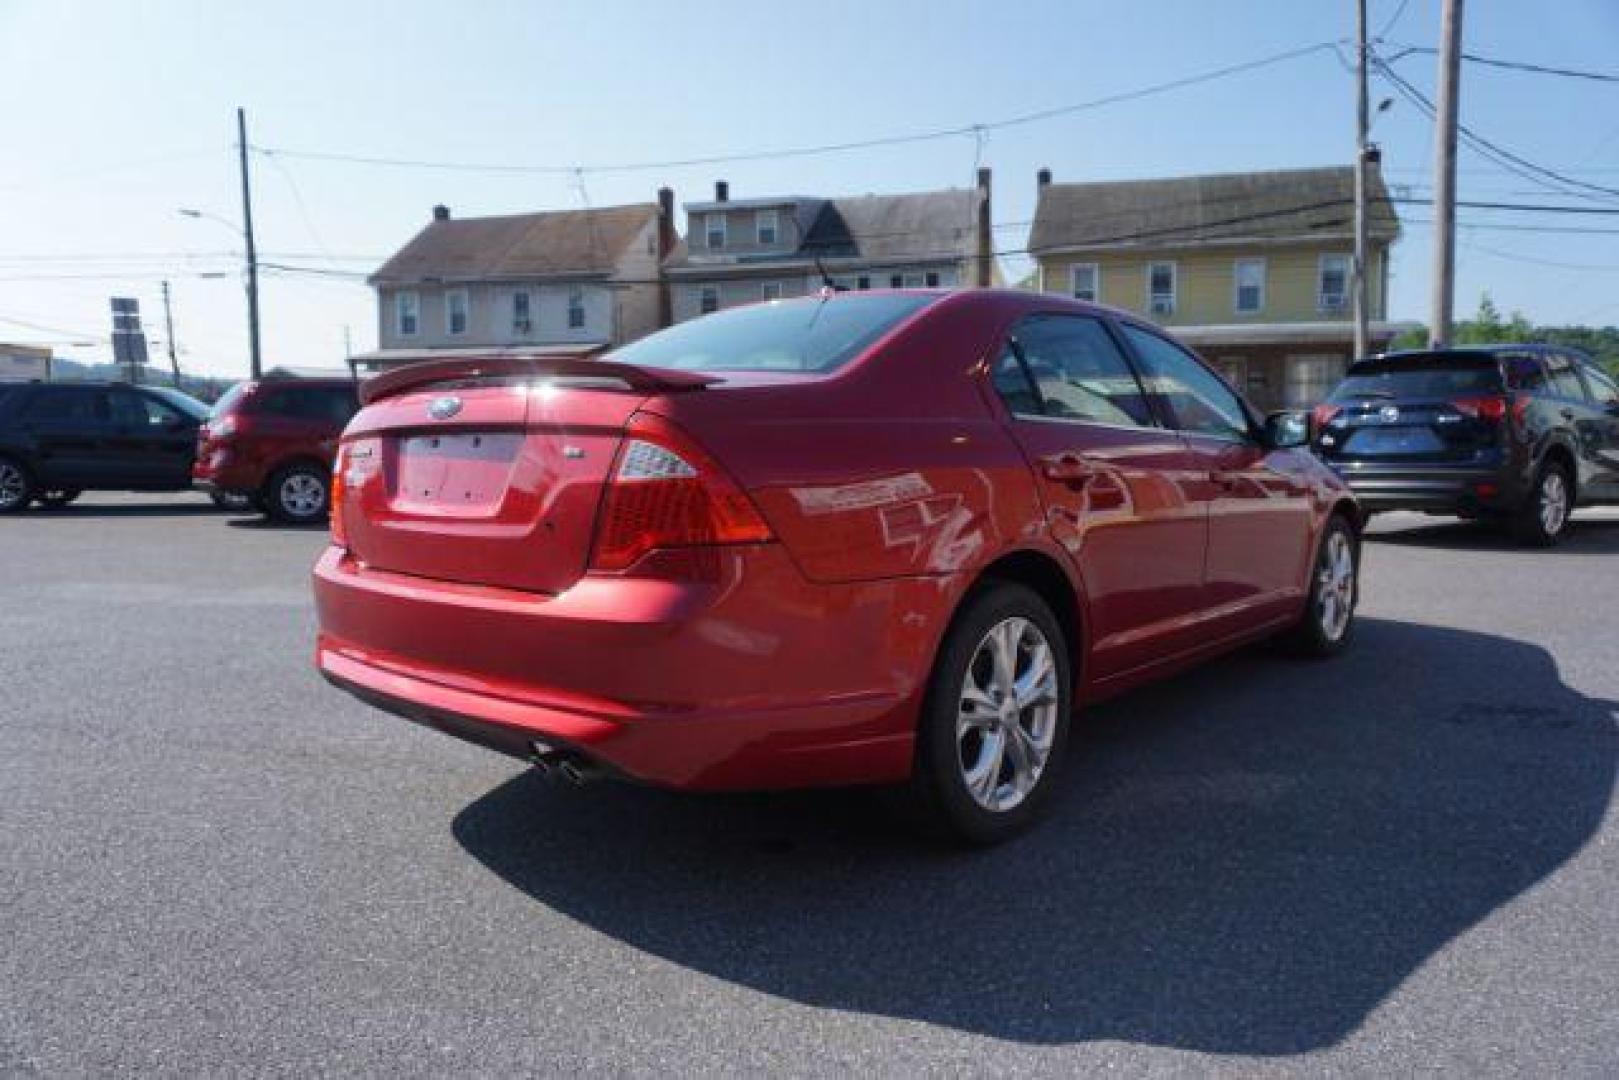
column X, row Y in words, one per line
column 227, row 472
column 1438, row 488
column 753, row 679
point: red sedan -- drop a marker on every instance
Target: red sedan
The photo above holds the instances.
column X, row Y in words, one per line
column 864, row 538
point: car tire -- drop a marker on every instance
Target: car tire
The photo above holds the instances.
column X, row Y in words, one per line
column 16, row 486
column 986, row 760
column 299, row 494
column 1542, row 520
column 1328, row 623
column 60, row 497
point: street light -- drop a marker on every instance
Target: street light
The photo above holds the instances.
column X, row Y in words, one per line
column 252, row 280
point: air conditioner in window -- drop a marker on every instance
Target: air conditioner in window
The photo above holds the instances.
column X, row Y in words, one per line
column 522, row 326
column 1163, row 305
column 1334, row 301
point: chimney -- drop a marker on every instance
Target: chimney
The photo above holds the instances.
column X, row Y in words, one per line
column 722, row 191
column 983, row 277
column 441, row 212
column 667, row 238
column 1043, row 177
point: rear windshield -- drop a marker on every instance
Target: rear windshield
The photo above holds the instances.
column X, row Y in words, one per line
column 1444, row 376
column 229, row 398
column 187, row 404
column 808, row 336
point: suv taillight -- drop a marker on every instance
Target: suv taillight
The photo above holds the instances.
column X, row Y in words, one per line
column 666, row 492
column 335, row 498
column 1493, row 409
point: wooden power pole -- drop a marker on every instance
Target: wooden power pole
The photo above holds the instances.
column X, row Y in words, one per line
column 168, row 327
column 256, row 361
column 1360, row 290
column 1444, row 202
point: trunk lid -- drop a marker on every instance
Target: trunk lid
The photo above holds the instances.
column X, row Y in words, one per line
column 1440, row 409
column 488, row 474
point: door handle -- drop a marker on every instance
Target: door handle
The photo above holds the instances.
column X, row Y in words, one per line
column 1067, row 468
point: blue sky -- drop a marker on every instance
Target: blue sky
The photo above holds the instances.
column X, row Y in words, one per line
column 118, row 114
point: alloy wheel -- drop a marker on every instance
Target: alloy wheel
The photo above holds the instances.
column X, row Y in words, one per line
column 302, row 495
column 1335, row 585
column 1553, row 502
column 1006, row 720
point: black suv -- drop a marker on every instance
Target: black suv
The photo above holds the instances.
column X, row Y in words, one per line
column 1522, row 433
column 58, row 439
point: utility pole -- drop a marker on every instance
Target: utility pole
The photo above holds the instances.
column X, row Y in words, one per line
column 1444, row 201
column 168, row 326
column 1362, row 123
column 257, row 363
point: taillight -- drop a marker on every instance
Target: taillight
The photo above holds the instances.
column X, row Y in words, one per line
column 666, row 492
column 334, row 501
column 223, row 428
column 1323, row 415
column 1493, row 409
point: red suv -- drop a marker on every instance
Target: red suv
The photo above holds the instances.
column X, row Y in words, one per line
column 875, row 537
column 272, row 441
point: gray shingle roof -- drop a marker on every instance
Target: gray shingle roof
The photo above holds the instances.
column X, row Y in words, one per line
column 1190, row 210
column 924, row 226
column 517, row 246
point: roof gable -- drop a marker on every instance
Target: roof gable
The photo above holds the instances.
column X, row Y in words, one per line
column 1288, row 204
column 555, row 244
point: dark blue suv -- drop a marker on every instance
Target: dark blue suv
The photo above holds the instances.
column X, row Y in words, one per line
column 1519, row 433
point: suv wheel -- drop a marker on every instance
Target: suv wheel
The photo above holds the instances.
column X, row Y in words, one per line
column 16, row 486
column 1329, row 617
column 298, row 494
column 995, row 721
column 1543, row 518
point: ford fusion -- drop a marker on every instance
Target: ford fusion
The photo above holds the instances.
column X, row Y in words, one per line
column 860, row 538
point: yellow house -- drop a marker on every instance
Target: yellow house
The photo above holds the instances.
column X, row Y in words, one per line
column 1251, row 269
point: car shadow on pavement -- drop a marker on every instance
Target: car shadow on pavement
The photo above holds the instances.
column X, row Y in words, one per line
column 90, row 511
column 1247, row 859
column 1586, row 536
column 251, row 519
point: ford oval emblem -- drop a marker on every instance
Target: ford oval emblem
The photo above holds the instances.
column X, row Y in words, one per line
column 1388, row 413
column 443, row 408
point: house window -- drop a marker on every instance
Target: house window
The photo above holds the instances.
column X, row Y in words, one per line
column 708, row 300
column 863, row 282
column 1333, row 291
column 522, row 321
column 766, row 221
column 1085, row 281
column 407, row 313
column 715, row 226
column 1161, row 288
column 932, row 277
column 455, row 311
column 770, row 290
column 576, row 308
column 896, row 281
column 1249, row 275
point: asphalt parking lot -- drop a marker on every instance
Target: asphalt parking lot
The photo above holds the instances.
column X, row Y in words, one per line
column 1403, row 860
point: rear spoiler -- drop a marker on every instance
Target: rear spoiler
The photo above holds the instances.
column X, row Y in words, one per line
column 469, row 368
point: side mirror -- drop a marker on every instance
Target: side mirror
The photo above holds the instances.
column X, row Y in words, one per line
column 1284, row 430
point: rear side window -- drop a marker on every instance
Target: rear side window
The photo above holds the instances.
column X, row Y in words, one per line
column 806, row 336
column 1196, row 398
column 136, row 410
column 1565, row 381
column 323, row 403
column 67, row 405
column 1603, row 389
column 1067, row 366
column 1525, row 373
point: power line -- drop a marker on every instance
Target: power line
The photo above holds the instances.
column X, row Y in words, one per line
column 1554, row 264
column 1518, row 65
column 1399, row 11
column 959, row 131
